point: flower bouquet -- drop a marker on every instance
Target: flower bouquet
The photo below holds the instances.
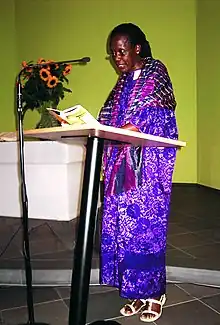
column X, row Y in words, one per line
column 43, row 87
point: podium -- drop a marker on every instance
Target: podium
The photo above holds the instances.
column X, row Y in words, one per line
column 93, row 136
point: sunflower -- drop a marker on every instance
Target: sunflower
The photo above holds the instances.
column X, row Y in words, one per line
column 67, row 69
column 24, row 64
column 26, row 67
column 29, row 69
column 52, row 82
column 44, row 74
column 41, row 61
column 48, row 64
column 47, row 67
column 51, row 64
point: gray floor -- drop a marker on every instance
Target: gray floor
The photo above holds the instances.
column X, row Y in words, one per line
column 193, row 243
column 193, row 235
column 187, row 304
column 194, row 228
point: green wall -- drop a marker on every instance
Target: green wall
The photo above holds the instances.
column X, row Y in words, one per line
column 7, row 59
column 68, row 29
column 208, row 90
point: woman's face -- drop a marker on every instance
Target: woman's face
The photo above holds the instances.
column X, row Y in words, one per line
column 125, row 56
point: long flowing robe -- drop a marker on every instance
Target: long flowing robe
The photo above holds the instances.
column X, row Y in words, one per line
column 137, row 184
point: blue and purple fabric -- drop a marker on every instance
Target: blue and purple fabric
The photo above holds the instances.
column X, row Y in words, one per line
column 137, row 184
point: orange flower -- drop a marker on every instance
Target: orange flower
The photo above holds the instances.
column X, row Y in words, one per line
column 24, row 64
column 50, row 63
column 52, row 82
column 41, row 60
column 29, row 69
column 67, row 69
column 26, row 67
column 44, row 74
column 47, row 67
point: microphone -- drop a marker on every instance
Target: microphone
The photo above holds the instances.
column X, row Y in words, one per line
column 82, row 60
column 86, row 59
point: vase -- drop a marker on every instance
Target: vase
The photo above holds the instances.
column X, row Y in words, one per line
column 46, row 119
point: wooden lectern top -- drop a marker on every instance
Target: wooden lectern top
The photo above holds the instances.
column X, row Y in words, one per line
column 105, row 132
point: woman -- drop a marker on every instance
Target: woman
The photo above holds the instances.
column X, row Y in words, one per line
column 137, row 181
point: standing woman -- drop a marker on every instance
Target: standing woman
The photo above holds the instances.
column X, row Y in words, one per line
column 137, row 181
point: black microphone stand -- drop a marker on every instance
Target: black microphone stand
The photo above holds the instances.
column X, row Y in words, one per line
column 24, row 206
column 80, row 279
column 23, row 189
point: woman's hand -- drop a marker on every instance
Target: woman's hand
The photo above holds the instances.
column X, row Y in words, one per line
column 130, row 127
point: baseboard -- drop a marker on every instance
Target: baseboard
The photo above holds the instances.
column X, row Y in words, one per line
column 62, row 278
column 179, row 185
column 196, row 185
column 215, row 190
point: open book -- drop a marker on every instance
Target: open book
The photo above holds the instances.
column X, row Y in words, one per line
column 73, row 115
column 8, row 136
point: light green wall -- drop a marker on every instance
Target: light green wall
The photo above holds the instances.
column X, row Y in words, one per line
column 66, row 29
column 208, row 89
column 7, row 59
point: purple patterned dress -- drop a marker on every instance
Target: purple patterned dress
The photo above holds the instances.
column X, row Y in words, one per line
column 137, row 185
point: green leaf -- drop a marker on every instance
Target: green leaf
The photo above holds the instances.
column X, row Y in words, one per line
column 67, row 90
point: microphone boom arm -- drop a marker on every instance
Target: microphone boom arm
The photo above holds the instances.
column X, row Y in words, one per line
column 82, row 60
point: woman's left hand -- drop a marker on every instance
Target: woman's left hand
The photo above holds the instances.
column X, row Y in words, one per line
column 129, row 127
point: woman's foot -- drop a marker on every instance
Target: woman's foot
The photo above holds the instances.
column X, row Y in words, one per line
column 133, row 307
column 153, row 309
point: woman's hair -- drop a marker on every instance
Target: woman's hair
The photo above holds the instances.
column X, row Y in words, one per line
column 135, row 37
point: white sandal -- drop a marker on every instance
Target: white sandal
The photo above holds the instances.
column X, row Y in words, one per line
column 132, row 307
column 154, row 315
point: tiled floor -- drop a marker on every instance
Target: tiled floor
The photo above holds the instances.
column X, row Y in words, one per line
column 194, row 228
column 193, row 235
column 186, row 304
column 193, row 242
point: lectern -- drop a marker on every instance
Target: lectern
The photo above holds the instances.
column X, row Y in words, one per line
column 95, row 135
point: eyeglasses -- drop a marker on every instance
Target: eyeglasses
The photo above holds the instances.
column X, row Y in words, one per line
column 120, row 52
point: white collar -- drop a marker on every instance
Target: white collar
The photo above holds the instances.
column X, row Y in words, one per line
column 136, row 74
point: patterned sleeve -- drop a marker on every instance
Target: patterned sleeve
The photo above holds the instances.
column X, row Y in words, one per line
column 104, row 116
column 154, row 109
